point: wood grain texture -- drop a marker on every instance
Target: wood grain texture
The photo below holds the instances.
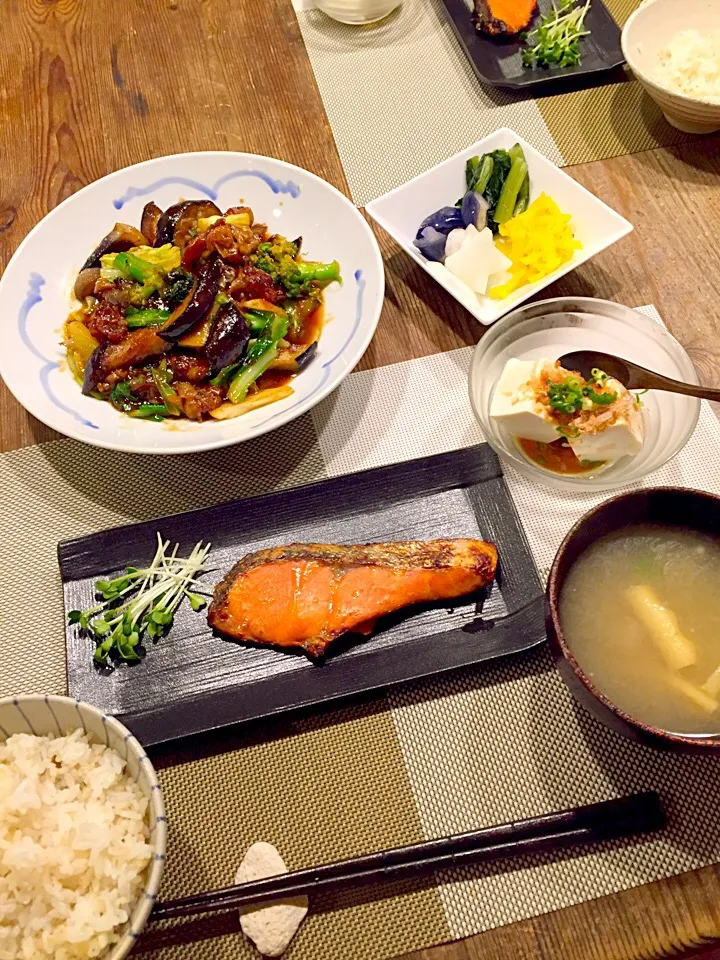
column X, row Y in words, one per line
column 96, row 86
column 677, row 917
column 89, row 87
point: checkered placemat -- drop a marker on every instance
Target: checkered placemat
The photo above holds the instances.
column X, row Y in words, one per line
column 401, row 96
column 484, row 745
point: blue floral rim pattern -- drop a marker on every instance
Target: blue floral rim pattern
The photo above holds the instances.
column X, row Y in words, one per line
column 212, row 191
column 32, row 298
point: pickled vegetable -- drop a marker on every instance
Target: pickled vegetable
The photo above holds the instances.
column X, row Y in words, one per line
column 536, row 242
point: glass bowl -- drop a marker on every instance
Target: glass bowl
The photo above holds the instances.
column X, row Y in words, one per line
column 551, row 328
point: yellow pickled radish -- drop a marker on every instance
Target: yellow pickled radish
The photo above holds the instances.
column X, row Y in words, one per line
column 536, row 242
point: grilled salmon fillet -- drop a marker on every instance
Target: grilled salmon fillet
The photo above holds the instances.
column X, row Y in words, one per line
column 503, row 18
column 308, row 594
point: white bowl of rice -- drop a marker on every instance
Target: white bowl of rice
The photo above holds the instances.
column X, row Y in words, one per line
column 82, row 832
column 673, row 48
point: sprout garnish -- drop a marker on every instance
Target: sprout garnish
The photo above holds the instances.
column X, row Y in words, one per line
column 142, row 603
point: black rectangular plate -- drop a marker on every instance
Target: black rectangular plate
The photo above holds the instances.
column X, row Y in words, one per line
column 499, row 62
column 193, row 681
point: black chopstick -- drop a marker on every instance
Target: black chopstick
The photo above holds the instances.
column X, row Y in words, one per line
column 623, row 817
column 638, row 813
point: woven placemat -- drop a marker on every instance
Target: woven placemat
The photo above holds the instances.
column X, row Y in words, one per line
column 480, row 746
column 401, row 96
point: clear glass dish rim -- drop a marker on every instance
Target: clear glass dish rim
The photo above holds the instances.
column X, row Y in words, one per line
column 596, row 307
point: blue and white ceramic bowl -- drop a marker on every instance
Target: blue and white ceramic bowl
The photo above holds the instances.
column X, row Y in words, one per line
column 42, row 716
column 36, row 292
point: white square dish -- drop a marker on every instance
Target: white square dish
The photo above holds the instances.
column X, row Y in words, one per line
column 400, row 212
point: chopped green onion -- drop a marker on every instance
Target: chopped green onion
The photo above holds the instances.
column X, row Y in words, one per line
column 570, row 396
column 610, row 396
column 567, row 396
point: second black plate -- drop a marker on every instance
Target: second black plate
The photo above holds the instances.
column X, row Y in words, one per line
column 193, row 681
column 499, row 63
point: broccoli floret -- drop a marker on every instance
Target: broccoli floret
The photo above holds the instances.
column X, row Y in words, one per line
column 300, row 279
column 277, row 257
column 273, row 252
column 178, row 284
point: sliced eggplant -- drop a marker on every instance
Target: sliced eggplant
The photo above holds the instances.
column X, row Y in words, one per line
column 175, row 224
column 149, row 221
column 165, row 227
column 95, row 370
column 197, row 303
column 137, row 347
column 294, row 358
column 228, row 339
column 85, row 283
column 121, row 238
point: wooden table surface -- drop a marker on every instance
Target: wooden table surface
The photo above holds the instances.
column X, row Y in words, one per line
column 89, row 87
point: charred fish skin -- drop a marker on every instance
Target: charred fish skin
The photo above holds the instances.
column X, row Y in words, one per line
column 346, row 588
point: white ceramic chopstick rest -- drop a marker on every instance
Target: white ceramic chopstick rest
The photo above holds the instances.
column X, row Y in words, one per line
column 271, row 927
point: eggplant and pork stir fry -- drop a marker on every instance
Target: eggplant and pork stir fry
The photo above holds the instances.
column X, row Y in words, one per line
column 197, row 313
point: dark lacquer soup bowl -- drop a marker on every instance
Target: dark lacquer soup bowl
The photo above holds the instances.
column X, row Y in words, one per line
column 665, row 505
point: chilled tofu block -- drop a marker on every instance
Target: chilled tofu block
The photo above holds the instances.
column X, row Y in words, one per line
column 514, row 403
column 623, row 439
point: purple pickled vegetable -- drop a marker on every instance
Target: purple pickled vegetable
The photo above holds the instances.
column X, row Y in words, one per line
column 474, row 210
column 443, row 220
column 431, row 243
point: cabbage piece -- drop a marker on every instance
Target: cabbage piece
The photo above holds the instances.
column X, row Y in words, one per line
column 167, row 257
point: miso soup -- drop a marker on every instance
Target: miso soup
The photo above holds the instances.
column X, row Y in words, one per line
column 640, row 610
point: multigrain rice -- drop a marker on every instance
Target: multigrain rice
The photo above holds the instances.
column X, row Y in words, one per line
column 73, row 847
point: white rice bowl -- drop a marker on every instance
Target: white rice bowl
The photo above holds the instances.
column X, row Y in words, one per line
column 77, row 852
column 690, row 65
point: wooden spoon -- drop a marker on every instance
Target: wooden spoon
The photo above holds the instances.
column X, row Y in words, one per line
column 631, row 375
